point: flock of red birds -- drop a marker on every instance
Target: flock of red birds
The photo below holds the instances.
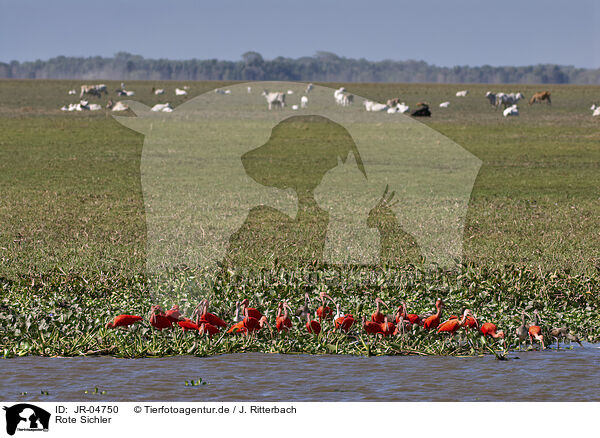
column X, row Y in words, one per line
column 249, row 320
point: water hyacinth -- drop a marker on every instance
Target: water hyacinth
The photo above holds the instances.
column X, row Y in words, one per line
column 81, row 310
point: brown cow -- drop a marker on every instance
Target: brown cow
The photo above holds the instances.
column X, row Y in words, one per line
column 539, row 97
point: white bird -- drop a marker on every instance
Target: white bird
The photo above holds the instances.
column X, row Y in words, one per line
column 72, row 91
column 444, row 104
column 219, row 91
column 596, row 111
column 129, row 93
column 186, row 87
column 295, row 107
column 249, row 90
column 303, row 102
column 290, row 92
column 511, row 111
column 159, row 91
column 94, row 107
column 179, row 92
column 309, row 87
column 227, row 91
column 462, row 93
column 392, row 110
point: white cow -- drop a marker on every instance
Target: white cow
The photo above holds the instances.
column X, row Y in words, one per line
column 491, row 97
column 342, row 97
column 119, row 106
column 511, row 111
column 374, row 106
column 508, row 99
column 95, row 90
column 276, row 98
column 462, row 93
column 162, row 107
column 403, row 108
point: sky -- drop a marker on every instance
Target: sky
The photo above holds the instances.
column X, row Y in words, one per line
column 440, row 32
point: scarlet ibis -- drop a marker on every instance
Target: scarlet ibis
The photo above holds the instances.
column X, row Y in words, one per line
column 238, row 327
column 173, row 314
column 413, row 318
column 250, row 311
column 378, row 317
column 208, row 328
column 342, row 321
column 371, row 327
column 158, row 319
column 535, row 331
column 202, row 313
column 387, row 328
column 124, row 321
column 523, row 330
column 324, row 312
column 401, row 325
column 471, row 322
column 303, row 311
column 313, row 326
column 489, row 329
column 283, row 322
column 453, row 324
column 186, row 325
column 434, row 320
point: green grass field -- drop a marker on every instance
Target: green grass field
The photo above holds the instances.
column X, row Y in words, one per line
column 72, row 222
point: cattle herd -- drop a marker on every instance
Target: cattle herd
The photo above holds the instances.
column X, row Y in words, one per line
column 277, row 100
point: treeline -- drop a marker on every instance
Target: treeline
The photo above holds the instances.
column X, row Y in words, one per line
column 323, row 66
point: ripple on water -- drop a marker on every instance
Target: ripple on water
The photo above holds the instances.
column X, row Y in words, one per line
column 566, row 375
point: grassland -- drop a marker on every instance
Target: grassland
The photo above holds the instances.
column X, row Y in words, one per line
column 73, row 233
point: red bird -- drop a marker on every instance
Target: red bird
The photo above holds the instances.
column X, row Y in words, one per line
column 313, row 326
column 324, row 312
column 371, row 327
column 250, row 311
column 202, row 313
column 471, row 322
column 186, row 325
column 283, row 322
column 489, row 329
column 413, row 318
column 208, row 328
column 434, row 320
column 238, row 327
column 535, row 331
column 173, row 314
column 341, row 321
column 378, row 317
column 158, row 319
column 124, row 321
column 453, row 324
column 387, row 328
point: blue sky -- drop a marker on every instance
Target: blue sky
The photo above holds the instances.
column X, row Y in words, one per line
column 448, row 33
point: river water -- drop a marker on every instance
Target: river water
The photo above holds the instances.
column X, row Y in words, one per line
column 551, row 375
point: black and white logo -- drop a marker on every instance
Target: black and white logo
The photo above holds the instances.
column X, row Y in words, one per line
column 26, row 417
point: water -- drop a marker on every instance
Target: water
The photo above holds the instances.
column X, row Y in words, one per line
column 565, row 375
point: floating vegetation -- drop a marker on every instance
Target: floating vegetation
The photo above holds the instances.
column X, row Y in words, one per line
column 198, row 382
column 65, row 315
